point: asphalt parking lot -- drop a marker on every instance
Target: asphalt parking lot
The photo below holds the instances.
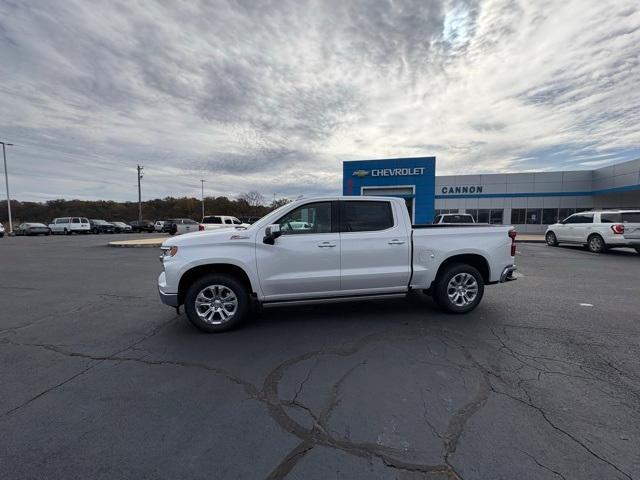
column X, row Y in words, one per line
column 99, row 380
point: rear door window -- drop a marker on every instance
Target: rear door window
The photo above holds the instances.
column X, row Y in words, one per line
column 365, row 216
column 75, row 220
column 631, row 217
column 609, row 218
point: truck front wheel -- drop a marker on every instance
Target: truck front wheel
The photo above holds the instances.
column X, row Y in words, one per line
column 459, row 288
column 216, row 303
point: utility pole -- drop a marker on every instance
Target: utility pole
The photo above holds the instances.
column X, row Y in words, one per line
column 202, row 185
column 6, row 181
column 139, row 193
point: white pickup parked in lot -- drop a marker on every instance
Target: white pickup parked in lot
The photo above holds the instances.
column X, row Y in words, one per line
column 216, row 222
column 331, row 249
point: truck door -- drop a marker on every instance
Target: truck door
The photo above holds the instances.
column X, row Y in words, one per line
column 375, row 247
column 304, row 262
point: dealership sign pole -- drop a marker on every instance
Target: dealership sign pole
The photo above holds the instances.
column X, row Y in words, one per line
column 6, row 180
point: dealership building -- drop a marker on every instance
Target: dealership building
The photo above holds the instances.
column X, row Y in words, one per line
column 531, row 201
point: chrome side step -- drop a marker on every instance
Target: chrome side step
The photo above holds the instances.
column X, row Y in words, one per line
column 309, row 301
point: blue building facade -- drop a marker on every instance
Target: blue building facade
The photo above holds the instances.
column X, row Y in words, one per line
column 410, row 178
column 528, row 200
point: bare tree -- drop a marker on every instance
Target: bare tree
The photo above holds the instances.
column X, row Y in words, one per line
column 253, row 198
column 278, row 203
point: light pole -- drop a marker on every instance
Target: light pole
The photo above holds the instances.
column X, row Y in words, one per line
column 6, row 181
column 202, row 186
column 139, row 194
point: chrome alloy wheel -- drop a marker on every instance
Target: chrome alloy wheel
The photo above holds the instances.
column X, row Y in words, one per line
column 462, row 289
column 216, row 304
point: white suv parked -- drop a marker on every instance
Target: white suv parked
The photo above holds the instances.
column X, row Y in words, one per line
column 598, row 230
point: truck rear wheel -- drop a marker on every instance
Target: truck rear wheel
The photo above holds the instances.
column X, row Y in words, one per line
column 459, row 288
column 596, row 244
column 216, row 303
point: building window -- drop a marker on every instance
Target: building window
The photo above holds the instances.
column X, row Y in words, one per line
column 441, row 211
column 518, row 216
column 565, row 213
column 483, row 215
column 496, row 217
column 534, row 216
column 549, row 216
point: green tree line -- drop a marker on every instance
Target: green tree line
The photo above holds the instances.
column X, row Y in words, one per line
column 157, row 209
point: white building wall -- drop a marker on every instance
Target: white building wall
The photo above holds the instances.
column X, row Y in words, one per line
column 579, row 181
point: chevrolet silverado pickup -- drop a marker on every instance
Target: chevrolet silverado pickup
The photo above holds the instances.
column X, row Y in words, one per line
column 331, row 249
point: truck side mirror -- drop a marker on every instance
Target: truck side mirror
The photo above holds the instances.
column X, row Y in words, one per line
column 271, row 233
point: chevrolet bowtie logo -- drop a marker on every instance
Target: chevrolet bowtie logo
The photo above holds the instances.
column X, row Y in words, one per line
column 361, row 173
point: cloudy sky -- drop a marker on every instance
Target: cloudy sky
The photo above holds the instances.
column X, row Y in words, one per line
column 273, row 95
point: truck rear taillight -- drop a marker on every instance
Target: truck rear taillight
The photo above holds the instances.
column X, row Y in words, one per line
column 512, row 236
column 200, row 227
column 617, row 228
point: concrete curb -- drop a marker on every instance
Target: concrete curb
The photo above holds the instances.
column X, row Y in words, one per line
column 148, row 243
column 530, row 240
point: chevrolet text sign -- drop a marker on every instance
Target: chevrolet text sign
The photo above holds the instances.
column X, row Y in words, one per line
column 461, row 189
column 390, row 172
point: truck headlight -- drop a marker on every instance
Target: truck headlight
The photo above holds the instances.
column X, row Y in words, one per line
column 168, row 252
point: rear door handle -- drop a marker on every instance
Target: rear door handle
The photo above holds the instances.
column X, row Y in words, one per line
column 326, row 244
column 395, row 241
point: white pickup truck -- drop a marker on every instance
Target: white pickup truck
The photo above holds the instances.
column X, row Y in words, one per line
column 331, row 249
column 217, row 222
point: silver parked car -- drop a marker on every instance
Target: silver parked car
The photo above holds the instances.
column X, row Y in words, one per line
column 32, row 229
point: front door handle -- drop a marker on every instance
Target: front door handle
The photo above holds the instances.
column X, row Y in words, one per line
column 395, row 241
column 326, row 244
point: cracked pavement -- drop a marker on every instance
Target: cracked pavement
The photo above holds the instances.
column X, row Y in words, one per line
column 99, row 380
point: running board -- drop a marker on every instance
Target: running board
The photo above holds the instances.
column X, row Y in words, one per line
column 309, row 301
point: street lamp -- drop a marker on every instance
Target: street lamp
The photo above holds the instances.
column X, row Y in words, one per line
column 202, row 186
column 6, row 181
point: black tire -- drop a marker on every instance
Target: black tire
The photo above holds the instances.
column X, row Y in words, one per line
column 239, row 290
column 441, row 295
column 595, row 244
column 66, row 232
column 551, row 239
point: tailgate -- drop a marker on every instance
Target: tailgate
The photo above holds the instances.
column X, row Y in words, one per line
column 631, row 222
column 632, row 232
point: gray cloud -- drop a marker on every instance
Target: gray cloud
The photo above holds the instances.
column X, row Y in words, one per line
column 272, row 95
